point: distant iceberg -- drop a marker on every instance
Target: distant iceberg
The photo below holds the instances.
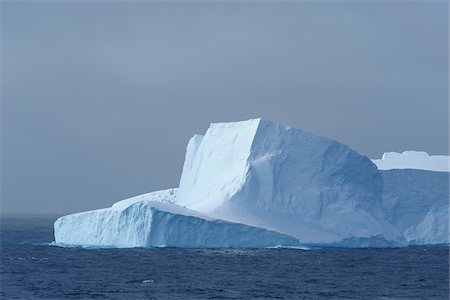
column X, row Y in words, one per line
column 413, row 160
column 259, row 183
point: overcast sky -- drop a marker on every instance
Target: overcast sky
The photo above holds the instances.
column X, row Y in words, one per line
column 99, row 99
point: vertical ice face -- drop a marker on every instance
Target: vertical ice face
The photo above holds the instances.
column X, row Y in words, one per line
column 416, row 202
column 215, row 166
column 120, row 228
column 191, row 151
column 266, row 174
column 160, row 224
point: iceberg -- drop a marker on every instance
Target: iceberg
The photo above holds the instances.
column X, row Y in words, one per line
column 258, row 183
column 419, row 160
column 149, row 223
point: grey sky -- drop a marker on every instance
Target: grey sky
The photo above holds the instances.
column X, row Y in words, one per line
column 100, row 99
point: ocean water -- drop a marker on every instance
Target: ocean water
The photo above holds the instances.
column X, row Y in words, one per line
column 30, row 269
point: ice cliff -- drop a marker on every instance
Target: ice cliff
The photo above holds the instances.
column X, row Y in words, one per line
column 416, row 195
column 150, row 223
column 286, row 179
column 416, row 202
column 258, row 183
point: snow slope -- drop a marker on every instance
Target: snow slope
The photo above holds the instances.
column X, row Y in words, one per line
column 413, row 160
column 416, row 202
column 159, row 224
column 169, row 195
column 273, row 176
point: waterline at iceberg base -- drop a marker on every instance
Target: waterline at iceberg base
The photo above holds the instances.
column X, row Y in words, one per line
column 258, row 183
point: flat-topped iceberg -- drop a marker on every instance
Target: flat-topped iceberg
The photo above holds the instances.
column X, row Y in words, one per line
column 413, row 160
column 147, row 223
column 258, row 183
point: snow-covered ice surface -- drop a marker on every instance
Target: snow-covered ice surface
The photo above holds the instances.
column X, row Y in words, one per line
column 417, row 203
column 159, row 224
column 413, row 160
column 258, row 183
column 273, row 176
column 169, row 195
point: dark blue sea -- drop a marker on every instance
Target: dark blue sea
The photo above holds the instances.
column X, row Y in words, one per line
column 30, row 269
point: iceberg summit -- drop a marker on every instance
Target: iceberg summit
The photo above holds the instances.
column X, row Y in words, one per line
column 258, row 183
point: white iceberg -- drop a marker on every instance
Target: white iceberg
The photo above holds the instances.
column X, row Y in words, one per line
column 258, row 183
column 413, row 160
column 147, row 223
